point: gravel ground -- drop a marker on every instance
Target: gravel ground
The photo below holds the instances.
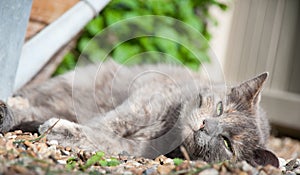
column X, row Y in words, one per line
column 27, row 153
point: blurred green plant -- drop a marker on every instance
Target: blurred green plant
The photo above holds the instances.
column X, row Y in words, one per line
column 192, row 12
column 95, row 159
column 177, row 161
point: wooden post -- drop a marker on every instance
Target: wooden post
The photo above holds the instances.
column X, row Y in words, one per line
column 14, row 16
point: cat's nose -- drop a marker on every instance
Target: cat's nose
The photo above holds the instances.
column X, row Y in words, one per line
column 202, row 125
column 210, row 126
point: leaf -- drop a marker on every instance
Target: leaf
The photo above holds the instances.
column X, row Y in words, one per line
column 192, row 65
column 71, row 163
column 195, row 22
column 125, row 51
column 109, row 162
column 168, row 47
column 112, row 16
column 92, row 160
column 177, row 161
column 95, row 26
column 186, row 9
column 68, row 63
column 83, row 43
column 133, row 5
column 97, row 55
column 113, row 162
column 103, row 162
column 147, row 43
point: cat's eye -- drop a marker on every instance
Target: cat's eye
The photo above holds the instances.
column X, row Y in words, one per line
column 219, row 108
column 200, row 100
column 227, row 144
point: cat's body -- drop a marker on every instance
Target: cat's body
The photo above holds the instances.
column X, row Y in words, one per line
column 147, row 110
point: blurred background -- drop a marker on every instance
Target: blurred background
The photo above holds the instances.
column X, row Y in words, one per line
column 247, row 36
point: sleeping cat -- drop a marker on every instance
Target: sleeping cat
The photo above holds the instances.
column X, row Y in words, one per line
column 146, row 110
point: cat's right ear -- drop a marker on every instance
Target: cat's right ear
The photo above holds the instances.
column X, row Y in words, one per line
column 247, row 94
column 264, row 157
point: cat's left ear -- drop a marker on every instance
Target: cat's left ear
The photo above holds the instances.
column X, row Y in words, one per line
column 247, row 94
column 264, row 157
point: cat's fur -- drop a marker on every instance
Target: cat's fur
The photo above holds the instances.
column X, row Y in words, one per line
column 147, row 110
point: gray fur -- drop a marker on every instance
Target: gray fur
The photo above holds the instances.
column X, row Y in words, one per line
column 147, row 110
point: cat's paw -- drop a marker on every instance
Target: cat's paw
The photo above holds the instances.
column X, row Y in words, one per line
column 6, row 117
column 66, row 133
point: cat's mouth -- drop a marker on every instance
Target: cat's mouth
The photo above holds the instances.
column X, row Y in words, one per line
column 202, row 138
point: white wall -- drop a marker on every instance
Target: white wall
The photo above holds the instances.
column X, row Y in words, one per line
column 220, row 35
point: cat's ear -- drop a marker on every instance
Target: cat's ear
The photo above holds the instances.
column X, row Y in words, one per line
column 247, row 94
column 264, row 157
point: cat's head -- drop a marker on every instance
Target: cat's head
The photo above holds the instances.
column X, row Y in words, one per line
column 230, row 127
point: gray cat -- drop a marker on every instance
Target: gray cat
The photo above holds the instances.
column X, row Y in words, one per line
column 146, row 110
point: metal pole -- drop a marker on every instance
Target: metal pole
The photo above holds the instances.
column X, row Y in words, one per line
column 14, row 16
column 39, row 49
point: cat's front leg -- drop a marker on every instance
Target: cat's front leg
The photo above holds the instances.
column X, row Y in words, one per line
column 72, row 134
column 17, row 114
column 140, row 126
column 67, row 133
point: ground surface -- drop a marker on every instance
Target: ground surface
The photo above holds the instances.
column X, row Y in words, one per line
column 26, row 153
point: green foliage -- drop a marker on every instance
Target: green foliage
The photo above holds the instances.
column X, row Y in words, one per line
column 109, row 162
column 177, row 161
column 192, row 12
column 71, row 163
column 68, row 63
column 97, row 158
column 93, row 160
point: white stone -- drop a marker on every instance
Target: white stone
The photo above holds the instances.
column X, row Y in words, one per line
column 53, row 142
column 282, row 162
column 209, row 172
column 63, row 162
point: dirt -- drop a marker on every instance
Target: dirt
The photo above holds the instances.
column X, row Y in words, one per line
column 27, row 153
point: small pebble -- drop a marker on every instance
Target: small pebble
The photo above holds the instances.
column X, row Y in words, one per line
column 169, row 161
column 12, row 137
column 56, row 156
column 127, row 173
column 283, row 169
column 133, row 163
column 150, row 171
column 282, row 162
column 52, row 148
column 63, row 162
column 66, row 153
column 161, row 159
column 246, row 167
column 68, row 148
column 28, row 143
column 53, row 142
column 262, row 173
column 165, row 169
column 8, row 134
column 290, row 173
column 209, row 172
column 243, row 173
column 18, row 132
column 297, row 170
